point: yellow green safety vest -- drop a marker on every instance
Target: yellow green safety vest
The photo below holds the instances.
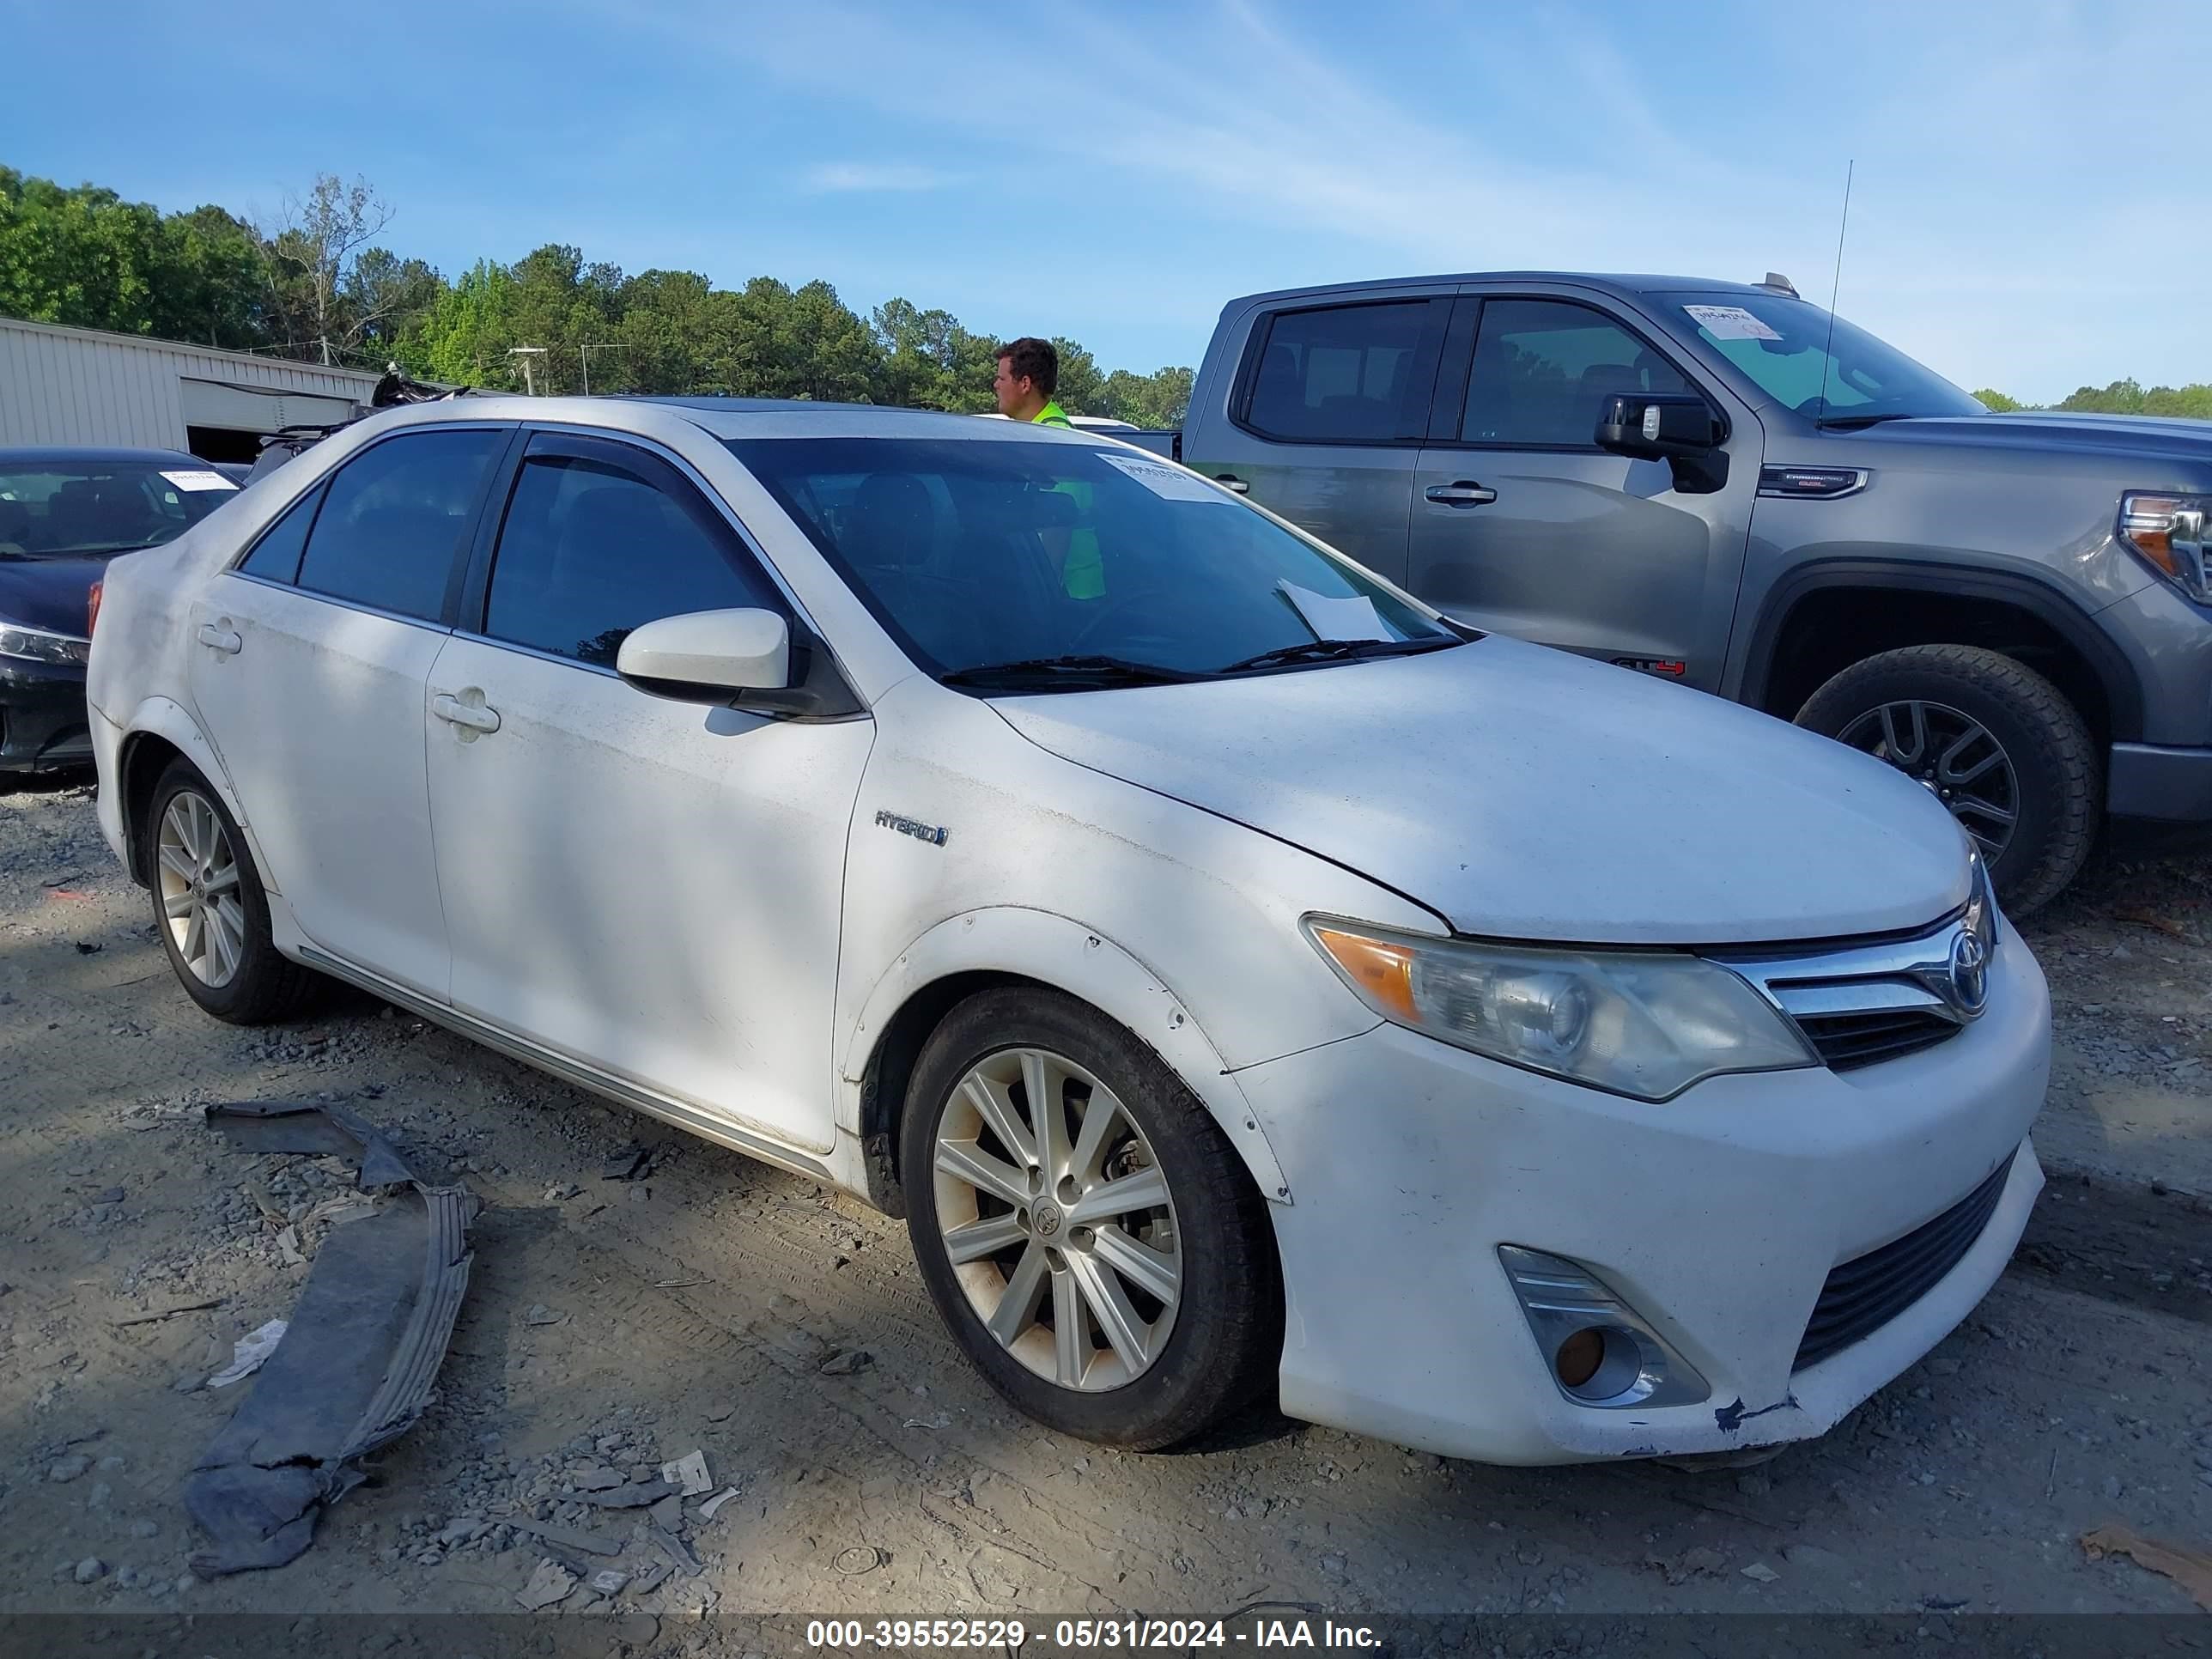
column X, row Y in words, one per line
column 1084, row 575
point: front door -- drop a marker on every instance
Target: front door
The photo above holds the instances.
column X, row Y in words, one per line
column 308, row 663
column 1522, row 526
column 649, row 886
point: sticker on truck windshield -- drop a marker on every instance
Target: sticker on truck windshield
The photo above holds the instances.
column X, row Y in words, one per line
column 1169, row 483
column 1730, row 322
column 199, row 481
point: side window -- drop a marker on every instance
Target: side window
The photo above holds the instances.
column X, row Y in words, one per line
column 393, row 518
column 594, row 548
column 276, row 556
column 1341, row 374
column 1542, row 368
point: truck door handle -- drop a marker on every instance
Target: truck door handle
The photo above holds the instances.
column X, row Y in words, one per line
column 1229, row 481
column 450, row 708
column 220, row 641
column 1463, row 492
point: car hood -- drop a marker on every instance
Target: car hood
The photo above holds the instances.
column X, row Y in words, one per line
column 1523, row 793
column 2134, row 436
column 49, row 594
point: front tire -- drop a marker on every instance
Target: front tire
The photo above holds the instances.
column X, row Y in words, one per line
column 1086, row 1230
column 1995, row 741
column 210, row 910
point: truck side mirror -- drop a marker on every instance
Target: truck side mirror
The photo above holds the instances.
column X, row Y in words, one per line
column 1674, row 426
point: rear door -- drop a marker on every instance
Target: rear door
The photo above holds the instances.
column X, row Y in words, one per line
column 1324, row 420
column 1521, row 523
column 308, row 660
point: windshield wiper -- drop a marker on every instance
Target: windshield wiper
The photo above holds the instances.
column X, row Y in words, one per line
column 1338, row 651
column 1852, row 423
column 1098, row 671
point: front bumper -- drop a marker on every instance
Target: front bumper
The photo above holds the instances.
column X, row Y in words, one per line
column 44, row 727
column 1717, row 1217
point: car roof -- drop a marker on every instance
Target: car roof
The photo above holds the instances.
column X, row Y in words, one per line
column 79, row 454
column 1611, row 282
column 783, row 418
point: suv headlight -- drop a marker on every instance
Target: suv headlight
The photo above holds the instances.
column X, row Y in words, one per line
column 1644, row 1023
column 2167, row 533
column 38, row 645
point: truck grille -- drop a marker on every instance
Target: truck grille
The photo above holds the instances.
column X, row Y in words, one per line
column 1866, row 1293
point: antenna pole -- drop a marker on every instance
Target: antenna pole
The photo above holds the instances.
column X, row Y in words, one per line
column 1827, row 357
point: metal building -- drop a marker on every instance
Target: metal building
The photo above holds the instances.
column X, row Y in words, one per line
column 80, row 385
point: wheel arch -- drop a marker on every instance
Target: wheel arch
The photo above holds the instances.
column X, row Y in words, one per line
column 1819, row 619
column 1007, row 945
column 158, row 733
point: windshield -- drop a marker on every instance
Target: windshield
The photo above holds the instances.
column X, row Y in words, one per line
column 52, row 509
column 1784, row 346
column 1033, row 565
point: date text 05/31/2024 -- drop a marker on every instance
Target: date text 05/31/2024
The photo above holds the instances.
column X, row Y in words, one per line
column 1083, row 1635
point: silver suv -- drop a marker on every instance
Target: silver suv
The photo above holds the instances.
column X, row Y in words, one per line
column 1721, row 484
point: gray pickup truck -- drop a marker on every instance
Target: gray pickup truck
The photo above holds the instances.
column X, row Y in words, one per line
column 1718, row 483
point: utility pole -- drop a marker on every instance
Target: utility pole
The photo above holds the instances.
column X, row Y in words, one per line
column 586, row 352
column 529, row 355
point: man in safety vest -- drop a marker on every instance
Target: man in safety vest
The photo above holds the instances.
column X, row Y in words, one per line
column 1029, row 374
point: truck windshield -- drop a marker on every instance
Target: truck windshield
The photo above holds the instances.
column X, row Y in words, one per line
column 1784, row 346
column 1027, row 566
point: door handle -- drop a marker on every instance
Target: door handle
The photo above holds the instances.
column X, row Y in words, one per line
column 222, row 641
column 1465, row 492
column 450, row 708
column 1229, row 481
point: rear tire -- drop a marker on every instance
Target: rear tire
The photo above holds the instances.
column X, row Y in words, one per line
column 1989, row 736
column 1186, row 1279
column 211, row 910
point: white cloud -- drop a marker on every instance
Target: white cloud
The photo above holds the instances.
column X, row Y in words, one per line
column 2010, row 224
column 832, row 176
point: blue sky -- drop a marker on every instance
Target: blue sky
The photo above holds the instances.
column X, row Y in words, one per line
column 2031, row 210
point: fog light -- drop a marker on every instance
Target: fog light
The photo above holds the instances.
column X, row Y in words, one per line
column 1579, row 1355
column 1600, row 1351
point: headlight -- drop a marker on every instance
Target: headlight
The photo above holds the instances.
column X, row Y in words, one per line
column 1645, row 1024
column 2167, row 533
column 37, row 645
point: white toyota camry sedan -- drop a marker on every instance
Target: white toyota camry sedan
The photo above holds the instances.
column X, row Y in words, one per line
column 1241, row 977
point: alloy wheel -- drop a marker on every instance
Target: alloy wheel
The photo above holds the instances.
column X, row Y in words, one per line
column 201, row 904
column 1058, row 1220
column 1953, row 756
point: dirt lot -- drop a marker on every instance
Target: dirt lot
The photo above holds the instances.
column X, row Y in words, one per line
column 622, row 1323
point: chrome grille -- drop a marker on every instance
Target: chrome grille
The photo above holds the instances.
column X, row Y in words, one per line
column 1861, row 1005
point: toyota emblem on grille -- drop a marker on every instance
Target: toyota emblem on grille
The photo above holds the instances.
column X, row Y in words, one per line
column 1970, row 973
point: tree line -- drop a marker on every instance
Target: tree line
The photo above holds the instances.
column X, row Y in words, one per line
column 319, row 285
column 2193, row 402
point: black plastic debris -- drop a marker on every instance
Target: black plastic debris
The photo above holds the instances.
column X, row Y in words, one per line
column 360, row 1353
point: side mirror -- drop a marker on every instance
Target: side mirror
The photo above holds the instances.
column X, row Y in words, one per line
column 1656, row 425
column 1674, row 426
column 706, row 655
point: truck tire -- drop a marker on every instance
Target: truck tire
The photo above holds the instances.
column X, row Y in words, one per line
column 1999, row 743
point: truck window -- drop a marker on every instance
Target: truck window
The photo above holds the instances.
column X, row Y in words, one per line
column 1337, row 374
column 1543, row 366
column 1823, row 368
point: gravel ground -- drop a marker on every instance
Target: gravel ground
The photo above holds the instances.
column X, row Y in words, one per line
column 712, row 1305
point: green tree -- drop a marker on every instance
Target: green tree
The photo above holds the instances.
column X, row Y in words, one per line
column 2121, row 397
column 84, row 258
column 314, row 255
column 1082, row 384
column 1158, row 399
column 1996, row 403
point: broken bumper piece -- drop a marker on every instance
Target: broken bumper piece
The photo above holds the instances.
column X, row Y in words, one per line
column 358, row 1359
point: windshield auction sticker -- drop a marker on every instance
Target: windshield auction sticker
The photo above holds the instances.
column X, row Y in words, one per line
column 1169, row 483
column 199, row 481
column 1730, row 322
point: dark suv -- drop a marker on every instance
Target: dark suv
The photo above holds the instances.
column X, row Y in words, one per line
column 1720, row 484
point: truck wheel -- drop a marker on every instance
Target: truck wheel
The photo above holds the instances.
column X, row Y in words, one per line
column 1996, row 742
column 1089, row 1236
